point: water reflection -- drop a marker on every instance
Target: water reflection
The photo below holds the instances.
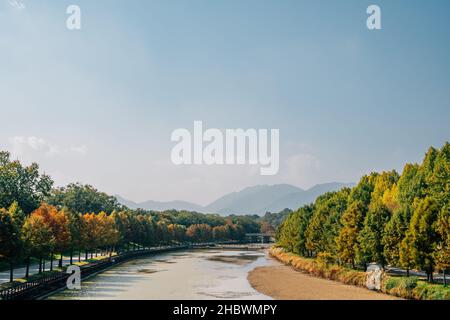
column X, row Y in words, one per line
column 198, row 274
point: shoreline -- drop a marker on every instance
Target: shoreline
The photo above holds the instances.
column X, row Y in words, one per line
column 282, row 282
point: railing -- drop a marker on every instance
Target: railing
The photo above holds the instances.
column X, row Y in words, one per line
column 57, row 280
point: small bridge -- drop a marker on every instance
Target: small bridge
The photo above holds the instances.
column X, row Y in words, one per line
column 259, row 238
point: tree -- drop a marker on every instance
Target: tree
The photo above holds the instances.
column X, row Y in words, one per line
column 83, row 198
column 199, row 233
column 89, row 234
column 275, row 219
column 61, row 231
column 411, row 186
column 325, row 224
column 424, row 236
column 38, row 237
column 59, row 225
column 220, row 233
column 24, row 185
column 291, row 233
column 406, row 258
column 10, row 244
column 394, row 233
column 439, row 180
column 266, row 228
column 371, row 235
column 442, row 251
column 347, row 242
column 75, row 226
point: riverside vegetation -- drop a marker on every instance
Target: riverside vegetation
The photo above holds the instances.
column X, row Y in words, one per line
column 394, row 220
column 39, row 223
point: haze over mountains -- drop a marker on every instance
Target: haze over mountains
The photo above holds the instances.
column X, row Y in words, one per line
column 253, row 200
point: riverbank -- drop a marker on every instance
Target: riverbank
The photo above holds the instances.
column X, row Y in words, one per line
column 56, row 280
column 284, row 283
column 391, row 285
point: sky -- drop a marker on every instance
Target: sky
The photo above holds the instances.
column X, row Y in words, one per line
column 98, row 105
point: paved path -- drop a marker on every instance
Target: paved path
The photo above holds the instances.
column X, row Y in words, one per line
column 34, row 268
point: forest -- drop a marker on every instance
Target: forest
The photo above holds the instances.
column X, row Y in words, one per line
column 400, row 220
column 40, row 222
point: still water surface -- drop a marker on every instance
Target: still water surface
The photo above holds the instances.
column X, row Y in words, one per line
column 197, row 274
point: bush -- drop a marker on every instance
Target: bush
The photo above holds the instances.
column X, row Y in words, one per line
column 391, row 283
column 428, row 291
column 409, row 283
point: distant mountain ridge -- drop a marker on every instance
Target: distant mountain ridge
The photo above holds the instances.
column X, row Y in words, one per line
column 252, row 200
column 161, row 205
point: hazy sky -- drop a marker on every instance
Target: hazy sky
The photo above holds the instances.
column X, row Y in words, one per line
column 98, row 105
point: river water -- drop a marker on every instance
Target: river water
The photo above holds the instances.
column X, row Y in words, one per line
column 195, row 274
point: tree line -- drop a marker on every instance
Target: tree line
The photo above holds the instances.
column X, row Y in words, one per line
column 37, row 221
column 387, row 218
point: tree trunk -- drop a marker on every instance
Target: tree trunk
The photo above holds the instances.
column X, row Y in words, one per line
column 92, row 254
column 87, row 255
column 51, row 261
column 11, row 271
column 43, row 265
column 40, row 265
column 71, row 257
column 27, row 271
column 431, row 277
column 61, row 261
column 79, row 255
column 445, row 280
column 407, row 272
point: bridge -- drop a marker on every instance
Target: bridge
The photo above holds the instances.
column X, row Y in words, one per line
column 259, row 238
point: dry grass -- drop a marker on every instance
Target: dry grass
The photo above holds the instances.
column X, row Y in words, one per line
column 407, row 288
column 320, row 269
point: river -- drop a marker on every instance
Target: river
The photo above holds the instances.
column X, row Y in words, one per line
column 195, row 274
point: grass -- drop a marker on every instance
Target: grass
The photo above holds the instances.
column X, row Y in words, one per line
column 399, row 286
column 320, row 268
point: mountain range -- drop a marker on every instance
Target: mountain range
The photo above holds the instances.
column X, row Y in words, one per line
column 252, row 200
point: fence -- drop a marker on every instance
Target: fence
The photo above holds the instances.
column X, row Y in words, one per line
column 57, row 280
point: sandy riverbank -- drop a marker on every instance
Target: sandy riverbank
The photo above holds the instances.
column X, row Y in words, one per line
column 284, row 283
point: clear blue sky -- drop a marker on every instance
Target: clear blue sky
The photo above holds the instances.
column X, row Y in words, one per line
column 102, row 102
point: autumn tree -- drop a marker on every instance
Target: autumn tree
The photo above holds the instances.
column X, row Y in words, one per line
column 38, row 238
column 199, row 233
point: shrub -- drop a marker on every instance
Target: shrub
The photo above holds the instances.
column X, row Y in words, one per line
column 428, row 291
